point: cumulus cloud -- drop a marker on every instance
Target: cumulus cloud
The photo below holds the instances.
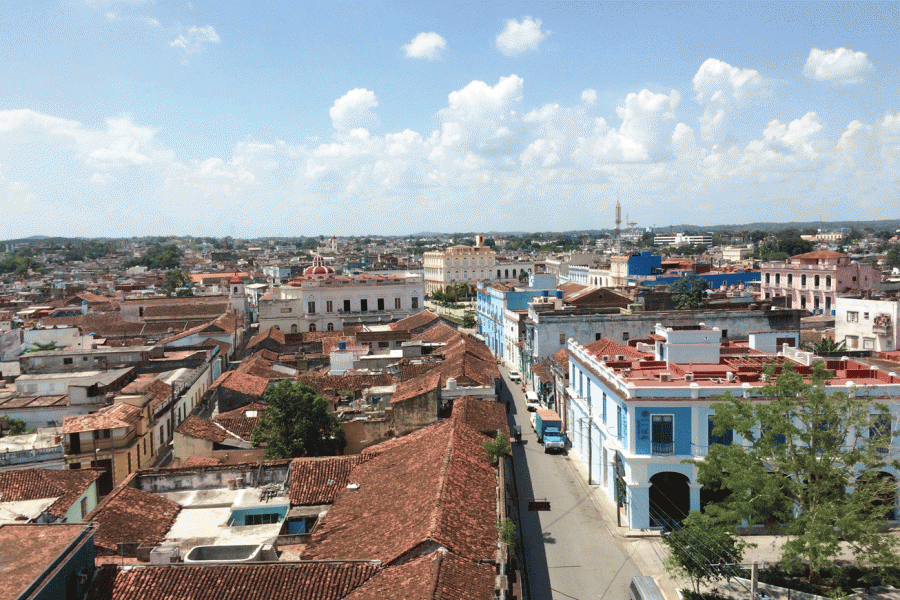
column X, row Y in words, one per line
column 484, row 119
column 148, row 21
column 353, row 110
column 196, row 40
column 425, row 45
column 724, row 90
column 589, row 96
column 520, row 36
column 841, row 65
column 797, row 135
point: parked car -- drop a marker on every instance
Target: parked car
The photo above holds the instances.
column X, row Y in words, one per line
column 515, row 376
column 531, row 400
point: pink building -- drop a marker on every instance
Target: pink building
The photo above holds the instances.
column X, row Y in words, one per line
column 814, row 280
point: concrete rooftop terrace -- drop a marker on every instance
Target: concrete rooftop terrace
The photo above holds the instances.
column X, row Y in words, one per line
column 204, row 516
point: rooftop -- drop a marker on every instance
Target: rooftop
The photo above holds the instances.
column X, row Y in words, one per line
column 29, row 550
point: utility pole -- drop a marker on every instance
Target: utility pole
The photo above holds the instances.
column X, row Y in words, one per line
column 754, row 580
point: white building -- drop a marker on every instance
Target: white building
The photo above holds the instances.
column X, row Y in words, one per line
column 320, row 300
column 469, row 265
column 681, row 239
column 866, row 324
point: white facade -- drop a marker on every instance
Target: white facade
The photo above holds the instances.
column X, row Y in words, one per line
column 866, row 324
column 325, row 303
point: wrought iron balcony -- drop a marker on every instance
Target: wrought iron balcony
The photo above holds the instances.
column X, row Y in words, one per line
column 662, row 448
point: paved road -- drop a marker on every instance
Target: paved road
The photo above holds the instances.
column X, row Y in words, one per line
column 570, row 551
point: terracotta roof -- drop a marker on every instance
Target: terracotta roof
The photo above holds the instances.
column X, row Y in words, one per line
column 318, row 480
column 433, row 488
column 224, row 323
column 817, row 254
column 417, row 322
column 272, row 333
column 260, row 363
column 109, row 417
column 205, row 429
column 440, row 575
column 243, row 383
column 36, row 484
column 610, row 348
column 200, row 461
column 485, row 416
column 181, row 311
column 284, row 581
column 130, row 516
column 240, row 413
column 336, row 383
column 236, row 421
column 543, row 369
column 413, row 388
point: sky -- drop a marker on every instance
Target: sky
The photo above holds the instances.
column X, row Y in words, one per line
column 253, row 119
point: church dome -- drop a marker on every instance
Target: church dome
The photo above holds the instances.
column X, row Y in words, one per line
column 318, row 267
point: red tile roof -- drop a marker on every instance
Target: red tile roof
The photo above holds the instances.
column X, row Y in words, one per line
column 130, row 516
column 419, row 386
column 200, row 461
column 318, row 480
column 205, row 429
column 110, row 417
column 337, row 383
column 272, row 333
column 284, row 581
column 434, row 487
column 610, row 348
column 416, row 323
column 36, row 484
column 243, row 383
column 818, row 254
column 485, row 416
column 436, row 576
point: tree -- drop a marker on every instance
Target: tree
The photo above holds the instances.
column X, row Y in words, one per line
column 176, row 279
column 892, row 259
column 16, row 426
column 497, row 448
column 296, row 422
column 688, row 292
column 468, row 320
column 828, row 346
column 810, row 468
column 702, row 550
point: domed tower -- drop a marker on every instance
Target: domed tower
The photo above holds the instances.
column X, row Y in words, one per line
column 318, row 268
column 237, row 299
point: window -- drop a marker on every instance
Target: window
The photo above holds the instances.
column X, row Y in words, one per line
column 865, row 316
column 828, row 282
column 102, row 434
column 880, row 426
column 364, row 305
column 803, row 280
column 84, row 509
column 380, row 303
column 852, row 316
column 661, row 427
column 285, row 310
column 868, row 343
column 330, row 327
column 329, row 306
column 768, row 278
column 724, row 439
column 562, row 338
column 625, row 336
column 852, row 341
column 415, row 302
column 816, row 281
column 384, row 344
column 263, row 519
column 311, row 308
column 790, row 279
column 346, row 306
column 396, row 303
column 598, row 337
column 67, row 361
column 312, row 326
column 777, row 279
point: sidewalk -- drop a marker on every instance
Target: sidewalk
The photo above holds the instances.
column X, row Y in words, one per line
column 645, row 546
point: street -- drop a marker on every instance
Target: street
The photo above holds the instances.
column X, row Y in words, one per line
column 570, row 551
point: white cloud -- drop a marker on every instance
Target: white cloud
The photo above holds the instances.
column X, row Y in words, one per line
column 796, row 135
column 841, row 65
column 589, row 96
column 148, row 21
column 484, row 119
column 724, row 90
column 425, row 45
column 519, row 36
column 196, row 40
column 354, row 110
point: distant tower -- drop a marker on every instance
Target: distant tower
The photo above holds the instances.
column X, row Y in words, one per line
column 334, row 244
column 237, row 300
column 618, row 223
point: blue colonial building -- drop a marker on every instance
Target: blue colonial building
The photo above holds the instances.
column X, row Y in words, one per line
column 635, row 413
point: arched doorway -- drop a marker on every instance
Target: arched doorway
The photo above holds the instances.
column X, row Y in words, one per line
column 294, row 328
column 330, row 327
column 312, row 326
column 670, row 499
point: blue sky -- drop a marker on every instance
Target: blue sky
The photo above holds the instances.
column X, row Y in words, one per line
column 122, row 118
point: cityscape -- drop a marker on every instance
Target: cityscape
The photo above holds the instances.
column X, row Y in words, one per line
column 361, row 301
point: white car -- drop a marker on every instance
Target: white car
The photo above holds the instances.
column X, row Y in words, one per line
column 531, row 400
column 515, row 376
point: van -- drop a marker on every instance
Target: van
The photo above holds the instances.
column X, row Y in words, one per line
column 645, row 588
column 531, row 400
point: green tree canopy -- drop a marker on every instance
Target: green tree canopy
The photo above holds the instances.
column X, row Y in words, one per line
column 688, row 292
column 893, row 257
column 811, row 467
column 297, row 422
column 702, row 550
column 158, row 257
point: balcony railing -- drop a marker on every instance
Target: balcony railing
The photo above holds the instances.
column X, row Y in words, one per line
column 662, row 448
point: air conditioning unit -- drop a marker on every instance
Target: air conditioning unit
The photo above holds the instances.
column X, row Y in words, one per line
column 665, row 377
column 688, row 376
column 729, row 376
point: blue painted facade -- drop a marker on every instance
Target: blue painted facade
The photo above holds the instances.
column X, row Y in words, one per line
column 492, row 303
column 652, row 429
column 715, row 279
column 644, row 264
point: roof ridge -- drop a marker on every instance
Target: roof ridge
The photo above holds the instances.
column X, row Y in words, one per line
column 442, row 482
